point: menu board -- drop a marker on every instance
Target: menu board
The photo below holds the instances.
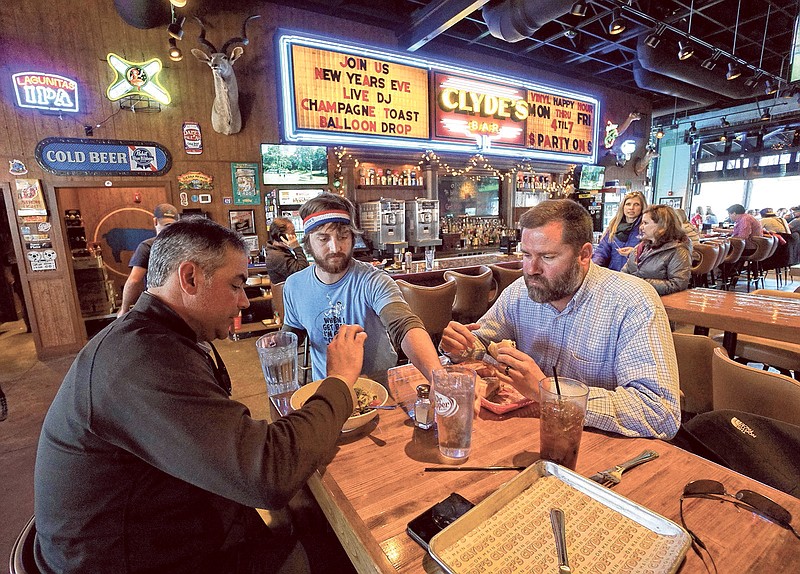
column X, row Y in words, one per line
column 560, row 124
column 339, row 92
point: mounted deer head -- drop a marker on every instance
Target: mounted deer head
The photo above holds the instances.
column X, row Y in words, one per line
column 225, row 116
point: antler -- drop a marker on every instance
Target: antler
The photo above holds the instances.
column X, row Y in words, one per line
column 202, row 37
column 243, row 38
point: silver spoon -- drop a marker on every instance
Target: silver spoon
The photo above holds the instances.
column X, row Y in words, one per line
column 559, row 531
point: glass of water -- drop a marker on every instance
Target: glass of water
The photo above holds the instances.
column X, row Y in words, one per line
column 278, row 355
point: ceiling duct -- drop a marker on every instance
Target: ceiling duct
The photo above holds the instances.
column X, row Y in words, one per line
column 654, row 82
column 664, row 62
column 143, row 14
column 515, row 20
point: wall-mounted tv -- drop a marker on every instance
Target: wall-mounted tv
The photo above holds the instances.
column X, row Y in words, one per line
column 294, row 164
column 474, row 196
column 591, row 177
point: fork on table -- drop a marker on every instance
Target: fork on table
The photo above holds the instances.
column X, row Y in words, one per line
column 613, row 475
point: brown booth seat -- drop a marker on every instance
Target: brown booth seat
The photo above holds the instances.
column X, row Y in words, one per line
column 503, row 276
column 472, row 293
column 694, row 353
column 742, row 388
column 433, row 305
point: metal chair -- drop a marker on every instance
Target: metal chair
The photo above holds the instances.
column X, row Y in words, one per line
column 694, row 353
column 21, row 560
column 742, row 388
column 503, row 277
column 706, row 258
column 277, row 306
column 433, row 305
column 472, row 294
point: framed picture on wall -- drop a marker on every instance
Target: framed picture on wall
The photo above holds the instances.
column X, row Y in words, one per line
column 673, row 202
column 251, row 241
column 242, row 221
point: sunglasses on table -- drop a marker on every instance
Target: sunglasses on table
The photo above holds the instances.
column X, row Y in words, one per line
column 747, row 499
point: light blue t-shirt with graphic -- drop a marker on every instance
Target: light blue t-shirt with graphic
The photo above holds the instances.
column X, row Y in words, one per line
column 357, row 298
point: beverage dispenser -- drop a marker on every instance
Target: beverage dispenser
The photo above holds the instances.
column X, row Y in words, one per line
column 422, row 222
column 383, row 222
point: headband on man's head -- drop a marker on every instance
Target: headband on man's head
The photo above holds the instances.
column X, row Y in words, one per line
column 318, row 218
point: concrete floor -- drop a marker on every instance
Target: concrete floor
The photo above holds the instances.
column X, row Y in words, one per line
column 30, row 385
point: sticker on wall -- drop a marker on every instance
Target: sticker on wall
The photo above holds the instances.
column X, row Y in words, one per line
column 194, row 199
column 192, row 138
column 227, row 200
column 16, row 167
column 30, row 200
column 194, row 180
column 204, row 198
column 42, row 260
column 43, row 227
column 184, row 198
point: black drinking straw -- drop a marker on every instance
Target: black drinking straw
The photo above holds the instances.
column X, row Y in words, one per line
column 555, row 376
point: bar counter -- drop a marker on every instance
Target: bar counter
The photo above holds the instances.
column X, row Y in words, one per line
column 464, row 264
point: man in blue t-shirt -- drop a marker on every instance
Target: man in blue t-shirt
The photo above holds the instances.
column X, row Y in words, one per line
column 163, row 215
column 339, row 290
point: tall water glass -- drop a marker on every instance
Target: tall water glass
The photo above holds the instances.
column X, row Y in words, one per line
column 278, row 355
column 454, row 393
column 561, row 419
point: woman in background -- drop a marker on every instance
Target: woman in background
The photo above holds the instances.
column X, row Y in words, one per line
column 662, row 258
column 710, row 217
column 622, row 234
column 697, row 218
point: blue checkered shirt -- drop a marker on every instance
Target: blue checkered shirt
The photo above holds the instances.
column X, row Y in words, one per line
column 614, row 336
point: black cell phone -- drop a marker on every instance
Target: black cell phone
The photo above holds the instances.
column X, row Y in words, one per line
column 436, row 518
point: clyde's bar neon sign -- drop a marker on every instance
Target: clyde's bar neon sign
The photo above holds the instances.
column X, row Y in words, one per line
column 337, row 94
column 48, row 92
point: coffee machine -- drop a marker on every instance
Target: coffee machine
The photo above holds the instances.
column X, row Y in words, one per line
column 383, row 222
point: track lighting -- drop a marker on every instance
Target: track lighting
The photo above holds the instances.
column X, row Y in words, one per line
column 752, row 81
column 733, row 71
column 770, row 87
column 708, row 64
column 175, row 28
column 652, row 40
column 685, row 50
column 570, row 33
column 724, row 123
column 723, row 137
column 579, row 9
column 178, row 3
column 175, row 53
column 692, row 129
column 660, row 133
column 765, row 115
column 618, row 24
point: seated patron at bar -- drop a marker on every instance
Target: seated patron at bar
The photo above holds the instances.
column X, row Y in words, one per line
column 340, row 290
column 144, row 463
column 284, row 253
column 663, row 257
column 606, row 329
column 745, row 226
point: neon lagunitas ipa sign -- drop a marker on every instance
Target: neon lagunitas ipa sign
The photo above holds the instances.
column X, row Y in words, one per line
column 48, row 92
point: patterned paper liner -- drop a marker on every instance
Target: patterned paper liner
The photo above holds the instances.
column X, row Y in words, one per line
column 518, row 537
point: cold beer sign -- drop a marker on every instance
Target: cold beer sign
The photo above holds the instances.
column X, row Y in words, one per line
column 48, row 92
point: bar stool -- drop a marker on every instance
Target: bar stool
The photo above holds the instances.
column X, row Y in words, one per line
column 503, row 277
column 433, row 305
column 472, row 294
column 706, row 255
column 730, row 261
column 21, row 560
column 752, row 262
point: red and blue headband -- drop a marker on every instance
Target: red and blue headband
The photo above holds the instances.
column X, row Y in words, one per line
column 318, row 218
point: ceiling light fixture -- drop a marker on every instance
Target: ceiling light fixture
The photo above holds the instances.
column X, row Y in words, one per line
column 724, row 123
column 579, row 9
column 652, row 40
column 570, row 33
column 709, row 63
column 692, row 129
column 733, row 68
column 770, row 87
column 178, row 3
column 765, row 115
column 618, row 24
column 733, row 71
column 685, row 50
column 723, row 137
column 175, row 28
column 175, row 53
column 660, row 133
column 752, row 81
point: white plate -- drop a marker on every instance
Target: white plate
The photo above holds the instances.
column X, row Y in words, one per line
column 301, row 395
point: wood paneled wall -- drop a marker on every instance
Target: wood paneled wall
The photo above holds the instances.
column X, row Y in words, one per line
column 73, row 37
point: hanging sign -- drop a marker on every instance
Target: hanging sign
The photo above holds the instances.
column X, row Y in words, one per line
column 78, row 156
column 136, row 79
column 43, row 91
column 339, row 92
column 561, row 124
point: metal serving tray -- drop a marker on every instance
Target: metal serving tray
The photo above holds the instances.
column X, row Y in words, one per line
column 510, row 530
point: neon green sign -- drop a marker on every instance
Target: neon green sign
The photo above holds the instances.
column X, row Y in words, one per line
column 136, row 78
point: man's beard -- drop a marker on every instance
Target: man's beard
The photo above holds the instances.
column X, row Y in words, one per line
column 564, row 286
column 333, row 264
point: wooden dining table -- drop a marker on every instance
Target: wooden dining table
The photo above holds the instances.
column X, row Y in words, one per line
column 733, row 312
column 376, row 483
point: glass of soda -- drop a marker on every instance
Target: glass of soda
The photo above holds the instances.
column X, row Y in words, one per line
column 561, row 419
